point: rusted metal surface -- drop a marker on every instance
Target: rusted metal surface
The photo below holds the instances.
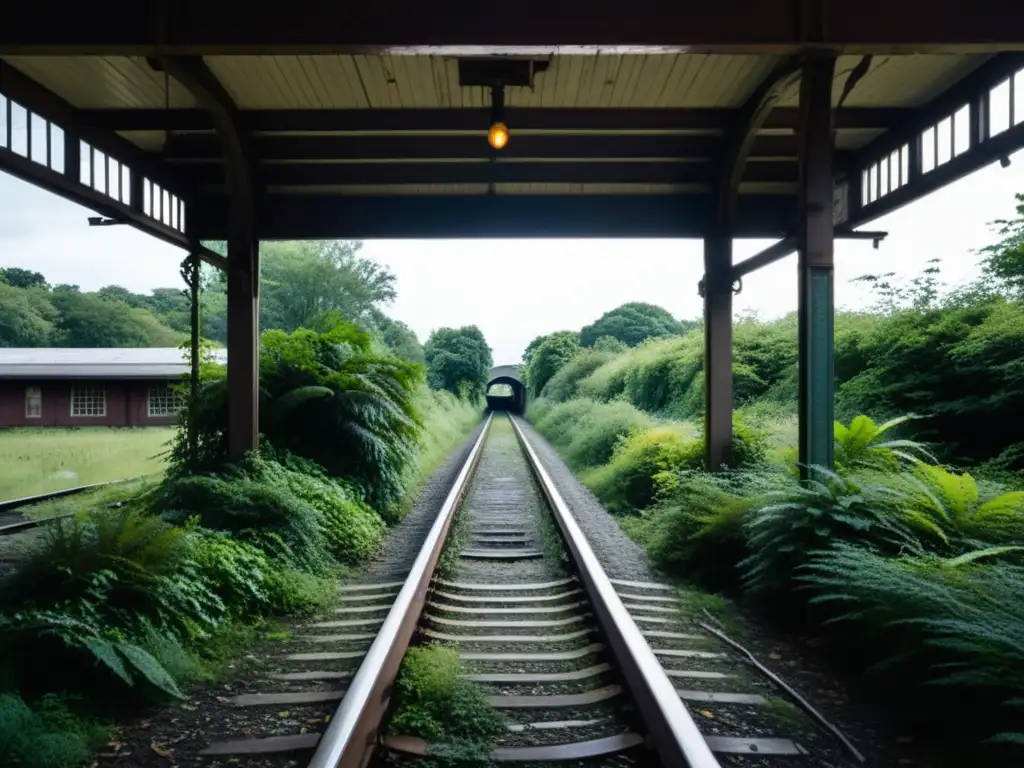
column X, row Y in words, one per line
column 351, row 737
column 672, row 732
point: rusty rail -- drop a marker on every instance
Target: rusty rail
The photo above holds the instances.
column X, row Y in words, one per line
column 26, row 501
column 351, row 737
column 673, row 733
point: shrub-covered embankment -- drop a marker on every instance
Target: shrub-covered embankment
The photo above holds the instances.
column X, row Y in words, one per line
column 141, row 594
column 910, row 569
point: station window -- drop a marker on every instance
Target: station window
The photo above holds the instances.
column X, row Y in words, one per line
column 164, row 400
column 88, row 400
column 33, row 403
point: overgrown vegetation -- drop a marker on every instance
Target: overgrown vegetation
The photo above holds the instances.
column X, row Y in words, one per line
column 434, row 702
column 908, row 556
column 146, row 586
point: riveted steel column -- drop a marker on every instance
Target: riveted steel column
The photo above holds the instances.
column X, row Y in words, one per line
column 717, row 351
column 815, row 265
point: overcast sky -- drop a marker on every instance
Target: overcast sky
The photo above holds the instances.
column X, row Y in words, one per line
column 556, row 284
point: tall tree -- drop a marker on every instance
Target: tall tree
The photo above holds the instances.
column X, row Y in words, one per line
column 631, row 324
column 554, row 352
column 87, row 320
column 26, row 317
column 398, row 337
column 304, row 282
column 459, row 360
column 22, row 278
column 1003, row 263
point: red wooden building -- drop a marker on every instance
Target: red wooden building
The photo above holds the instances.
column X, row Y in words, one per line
column 48, row 387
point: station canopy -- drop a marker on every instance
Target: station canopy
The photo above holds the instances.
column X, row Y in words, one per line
column 363, row 140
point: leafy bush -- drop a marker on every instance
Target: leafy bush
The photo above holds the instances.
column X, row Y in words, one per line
column 699, row 530
column 90, row 590
column 628, row 483
column 549, row 359
column 252, row 510
column 562, row 386
column 587, row 432
column 47, row 735
column 327, row 397
column 433, row 701
column 238, row 573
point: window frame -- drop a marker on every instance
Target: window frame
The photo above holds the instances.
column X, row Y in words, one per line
column 33, row 393
column 103, row 391
column 175, row 399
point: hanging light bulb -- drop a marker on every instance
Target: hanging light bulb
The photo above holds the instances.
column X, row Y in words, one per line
column 497, row 135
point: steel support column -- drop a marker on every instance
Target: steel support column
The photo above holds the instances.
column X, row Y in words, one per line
column 815, row 265
column 243, row 251
column 717, row 351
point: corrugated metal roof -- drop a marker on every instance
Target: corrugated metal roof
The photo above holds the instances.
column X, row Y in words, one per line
column 99, row 363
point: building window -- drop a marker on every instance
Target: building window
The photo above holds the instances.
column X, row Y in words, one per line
column 88, row 400
column 164, row 400
column 33, row 403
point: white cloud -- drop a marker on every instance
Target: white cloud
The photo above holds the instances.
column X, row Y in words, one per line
column 517, row 289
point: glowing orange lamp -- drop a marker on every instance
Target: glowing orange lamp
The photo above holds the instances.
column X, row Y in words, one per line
column 497, row 135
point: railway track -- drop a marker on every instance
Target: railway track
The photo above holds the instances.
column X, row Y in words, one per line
column 582, row 667
column 12, row 520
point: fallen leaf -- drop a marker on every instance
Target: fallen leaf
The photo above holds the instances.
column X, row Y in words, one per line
column 774, row 656
column 706, row 713
column 161, row 751
column 283, row 714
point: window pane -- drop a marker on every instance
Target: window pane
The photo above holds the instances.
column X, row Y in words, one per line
column 164, row 400
column 33, row 403
column 88, row 400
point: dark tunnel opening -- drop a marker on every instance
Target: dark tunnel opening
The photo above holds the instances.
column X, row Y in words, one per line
column 506, row 394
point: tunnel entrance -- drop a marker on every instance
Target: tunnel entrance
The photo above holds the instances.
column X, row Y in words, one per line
column 505, row 390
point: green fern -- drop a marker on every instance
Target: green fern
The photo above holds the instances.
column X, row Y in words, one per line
column 328, row 397
column 967, row 610
column 862, row 445
column 787, row 525
column 954, row 503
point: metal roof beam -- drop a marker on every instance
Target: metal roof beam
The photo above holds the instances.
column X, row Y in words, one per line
column 478, row 119
column 231, row 27
column 205, row 175
column 325, row 216
column 741, row 136
column 193, row 146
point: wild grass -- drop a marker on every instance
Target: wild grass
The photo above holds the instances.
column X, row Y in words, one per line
column 38, row 461
column 447, row 421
